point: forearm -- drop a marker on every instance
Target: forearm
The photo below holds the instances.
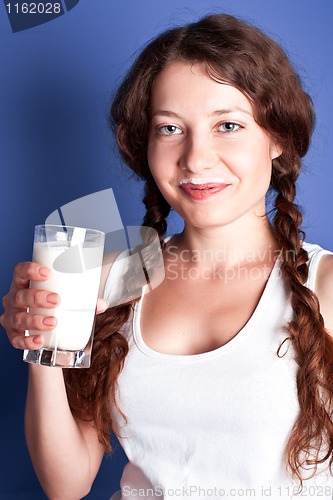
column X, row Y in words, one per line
column 57, row 446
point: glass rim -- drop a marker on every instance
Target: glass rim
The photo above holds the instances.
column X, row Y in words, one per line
column 54, row 226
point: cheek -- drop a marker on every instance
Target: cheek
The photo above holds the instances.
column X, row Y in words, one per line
column 160, row 161
column 252, row 160
column 152, row 159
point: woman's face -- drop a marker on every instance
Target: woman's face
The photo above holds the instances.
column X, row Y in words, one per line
column 210, row 159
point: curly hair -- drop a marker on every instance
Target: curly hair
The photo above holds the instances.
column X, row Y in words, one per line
column 232, row 51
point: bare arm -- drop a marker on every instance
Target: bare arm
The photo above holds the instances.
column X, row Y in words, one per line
column 324, row 290
column 65, row 452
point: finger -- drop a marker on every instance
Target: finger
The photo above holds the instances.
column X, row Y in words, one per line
column 101, row 306
column 22, row 320
column 31, row 343
column 30, row 297
column 26, row 271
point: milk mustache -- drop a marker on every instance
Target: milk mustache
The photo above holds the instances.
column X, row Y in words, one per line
column 75, row 276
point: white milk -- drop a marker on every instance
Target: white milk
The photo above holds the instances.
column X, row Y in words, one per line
column 78, row 292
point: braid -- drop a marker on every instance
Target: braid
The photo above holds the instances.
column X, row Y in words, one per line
column 157, row 208
column 91, row 392
column 312, row 343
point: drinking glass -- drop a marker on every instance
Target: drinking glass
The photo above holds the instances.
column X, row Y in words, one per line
column 74, row 255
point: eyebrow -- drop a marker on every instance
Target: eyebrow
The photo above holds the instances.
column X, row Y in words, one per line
column 218, row 112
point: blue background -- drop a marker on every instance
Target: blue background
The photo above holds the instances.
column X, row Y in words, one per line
column 56, row 85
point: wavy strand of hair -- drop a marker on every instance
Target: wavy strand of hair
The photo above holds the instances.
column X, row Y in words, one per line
column 91, row 392
column 308, row 445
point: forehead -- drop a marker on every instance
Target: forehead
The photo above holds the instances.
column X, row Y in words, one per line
column 187, row 86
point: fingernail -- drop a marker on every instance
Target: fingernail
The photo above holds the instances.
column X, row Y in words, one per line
column 36, row 339
column 43, row 271
column 52, row 298
column 49, row 321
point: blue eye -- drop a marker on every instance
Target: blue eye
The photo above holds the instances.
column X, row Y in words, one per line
column 229, row 127
column 169, row 130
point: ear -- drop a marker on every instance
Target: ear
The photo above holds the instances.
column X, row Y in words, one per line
column 275, row 150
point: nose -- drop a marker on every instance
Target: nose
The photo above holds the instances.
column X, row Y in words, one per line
column 198, row 155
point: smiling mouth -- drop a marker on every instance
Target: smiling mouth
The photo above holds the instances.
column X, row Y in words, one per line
column 200, row 189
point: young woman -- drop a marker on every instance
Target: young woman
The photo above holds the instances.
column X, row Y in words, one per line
column 219, row 382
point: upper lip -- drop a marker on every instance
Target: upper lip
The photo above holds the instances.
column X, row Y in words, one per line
column 210, row 181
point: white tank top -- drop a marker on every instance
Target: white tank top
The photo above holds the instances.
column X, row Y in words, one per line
column 215, row 425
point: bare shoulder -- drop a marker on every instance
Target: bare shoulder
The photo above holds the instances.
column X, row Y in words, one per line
column 324, row 289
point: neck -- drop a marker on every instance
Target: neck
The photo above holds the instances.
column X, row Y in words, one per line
column 230, row 245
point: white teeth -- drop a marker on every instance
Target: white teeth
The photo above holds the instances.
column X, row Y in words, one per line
column 212, row 180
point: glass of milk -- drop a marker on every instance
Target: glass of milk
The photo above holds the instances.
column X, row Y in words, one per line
column 75, row 256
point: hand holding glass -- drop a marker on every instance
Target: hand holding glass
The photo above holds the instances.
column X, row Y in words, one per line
column 75, row 257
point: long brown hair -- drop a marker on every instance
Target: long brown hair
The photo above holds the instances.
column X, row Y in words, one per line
column 242, row 55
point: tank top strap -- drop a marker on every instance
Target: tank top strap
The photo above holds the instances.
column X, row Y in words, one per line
column 315, row 253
